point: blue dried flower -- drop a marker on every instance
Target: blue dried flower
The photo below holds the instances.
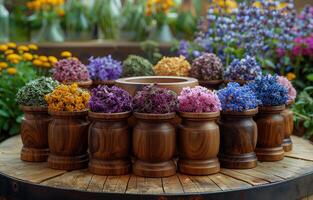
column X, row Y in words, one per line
column 268, row 91
column 104, row 68
column 237, row 98
column 246, row 69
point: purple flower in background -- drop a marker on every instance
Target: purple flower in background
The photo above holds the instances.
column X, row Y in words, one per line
column 70, row 70
column 110, row 100
column 183, row 48
column 104, row 68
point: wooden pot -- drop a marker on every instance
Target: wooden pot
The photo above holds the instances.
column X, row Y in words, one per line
column 212, row 85
column 289, row 125
column 238, row 139
column 68, row 140
column 271, row 133
column 198, row 143
column 34, row 134
column 109, row 143
column 154, row 144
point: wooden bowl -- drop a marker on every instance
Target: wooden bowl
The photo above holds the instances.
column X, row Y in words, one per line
column 174, row 83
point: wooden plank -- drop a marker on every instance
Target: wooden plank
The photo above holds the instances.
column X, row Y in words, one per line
column 204, row 184
column 116, row 184
column 122, row 184
column 290, row 171
column 277, row 172
column 188, row 185
column 97, row 183
column 153, row 186
column 228, row 183
column 243, row 177
column 258, row 174
column 172, row 185
column 132, row 185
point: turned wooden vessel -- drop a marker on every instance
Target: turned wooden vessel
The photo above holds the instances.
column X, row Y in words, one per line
column 34, row 134
column 271, row 133
column 109, row 83
column 109, row 143
column 68, row 140
column 154, row 144
column 238, row 139
column 212, row 85
column 198, row 143
column 289, row 125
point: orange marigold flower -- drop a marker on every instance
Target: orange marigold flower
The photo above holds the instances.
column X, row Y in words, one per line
column 11, row 70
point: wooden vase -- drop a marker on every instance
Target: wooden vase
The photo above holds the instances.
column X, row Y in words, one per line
column 238, row 139
column 34, row 134
column 198, row 143
column 68, row 140
column 289, row 125
column 154, row 144
column 271, row 133
column 212, row 85
column 109, row 143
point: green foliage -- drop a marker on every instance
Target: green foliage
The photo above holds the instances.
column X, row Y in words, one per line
column 32, row 94
column 303, row 110
column 137, row 66
column 151, row 50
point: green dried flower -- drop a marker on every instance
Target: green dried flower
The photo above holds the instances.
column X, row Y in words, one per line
column 33, row 93
column 137, row 66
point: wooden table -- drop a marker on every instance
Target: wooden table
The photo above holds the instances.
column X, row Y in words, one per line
column 291, row 178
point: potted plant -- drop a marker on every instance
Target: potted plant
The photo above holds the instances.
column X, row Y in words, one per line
column 238, row 129
column 34, row 127
column 287, row 113
column 104, row 70
column 270, row 122
column 71, row 70
column 198, row 133
column 137, row 66
column 109, row 135
column 208, row 69
column 154, row 137
column 172, row 66
column 242, row 71
column 68, row 130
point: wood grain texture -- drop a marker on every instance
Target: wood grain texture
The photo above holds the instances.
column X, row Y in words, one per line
column 271, row 132
column 109, row 143
column 68, row 140
column 154, row 144
column 198, row 143
column 289, row 126
column 34, row 134
column 238, row 139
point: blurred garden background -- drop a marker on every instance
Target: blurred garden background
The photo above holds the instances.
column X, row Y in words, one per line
column 35, row 34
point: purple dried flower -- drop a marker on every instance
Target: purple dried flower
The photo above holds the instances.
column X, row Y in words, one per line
column 198, row 99
column 207, row 67
column 70, row 70
column 104, row 68
column 110, row 100
column 155, row 100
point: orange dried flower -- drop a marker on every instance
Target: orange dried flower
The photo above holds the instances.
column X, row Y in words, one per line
column 172, row 66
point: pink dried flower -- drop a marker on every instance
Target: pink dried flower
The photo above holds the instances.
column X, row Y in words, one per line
column 198, row 99
column 292, row 93
column 70, row 70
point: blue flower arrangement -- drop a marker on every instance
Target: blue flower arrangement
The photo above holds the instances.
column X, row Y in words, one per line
column 237, row 98
column 268, row 91
column 104, row 68
column 246, row 69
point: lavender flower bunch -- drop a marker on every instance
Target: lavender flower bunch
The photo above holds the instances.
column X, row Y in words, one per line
column 155, row 100
column 106, row 99
column 268, row 91
column 70, row 70
column 105, row 68
column 207, row 67
column 236, row 98
column 246, row 69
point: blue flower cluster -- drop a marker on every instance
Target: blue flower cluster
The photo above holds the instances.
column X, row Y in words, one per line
column 237, row 98
column 183, row 48
column 104, row 68
column 268, row 91
column 246, row 69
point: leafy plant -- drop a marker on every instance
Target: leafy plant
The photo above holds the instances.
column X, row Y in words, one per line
column 137, row 66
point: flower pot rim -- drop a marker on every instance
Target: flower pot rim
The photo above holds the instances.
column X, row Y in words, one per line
column 202, row 115
column 164, row 116
column 68, row 113
column 34, row 108
column 271, row 109
column 249, row 112
column 129, row 80
column 109, row 116
column 79, row 83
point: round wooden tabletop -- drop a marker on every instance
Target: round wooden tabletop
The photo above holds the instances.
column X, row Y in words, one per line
column 291, row 178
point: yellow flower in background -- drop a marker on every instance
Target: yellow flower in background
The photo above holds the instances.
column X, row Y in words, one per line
column 46, row 64
column 13, row 57
column 66, row 54
column 22, row 48
column 11, row 70
column 291, row 76
column 60, row 12
column 3, row 65
column 11, row 45
column 27, row 56
column 37, row 62
column 43, row 58
column 3, row 47
column 15, row 61
column 33, row 47
column 7, row 52
column 227, row 6
column 52, row 59
column 257, row 4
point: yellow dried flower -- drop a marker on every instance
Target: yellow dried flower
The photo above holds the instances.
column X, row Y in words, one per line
column 66, row 54
column 290, row 76
column 43, row 58
column 52, row 59
column 172, row 66
column 37, row 62
column 33, row 47
column 27, row 56
column 22, row 48
column 11, row 70
column 13, row 57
